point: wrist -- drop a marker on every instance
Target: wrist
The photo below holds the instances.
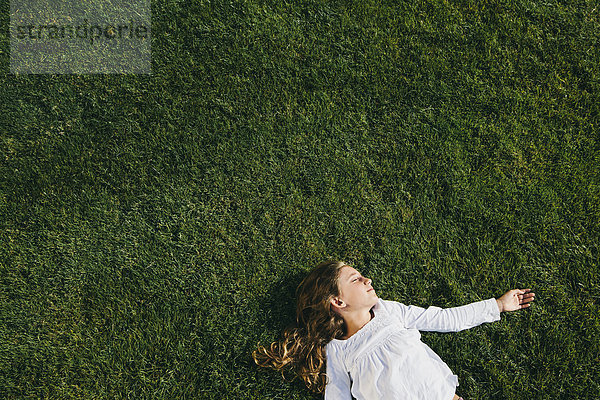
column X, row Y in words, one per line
column 500, row 305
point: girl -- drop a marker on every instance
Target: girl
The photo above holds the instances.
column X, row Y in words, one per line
column 349, row 343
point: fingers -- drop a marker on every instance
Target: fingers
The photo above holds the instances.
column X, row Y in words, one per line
column 523, row 297
column 524, row 293
column 527, row 299
column 527, row 296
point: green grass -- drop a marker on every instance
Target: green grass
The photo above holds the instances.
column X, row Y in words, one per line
column 154, row 228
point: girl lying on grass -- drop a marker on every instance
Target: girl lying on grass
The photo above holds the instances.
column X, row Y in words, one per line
column 349, row 343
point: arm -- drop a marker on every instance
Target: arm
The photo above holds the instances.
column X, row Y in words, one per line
column 450, row 319
column 338, row 381
column 464, row 317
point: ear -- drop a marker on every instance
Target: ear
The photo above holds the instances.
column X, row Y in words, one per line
column 337, row 302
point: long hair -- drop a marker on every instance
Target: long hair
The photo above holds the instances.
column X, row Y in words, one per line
column 303, row 346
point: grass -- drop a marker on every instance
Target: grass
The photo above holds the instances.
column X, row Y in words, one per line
column 154, row 228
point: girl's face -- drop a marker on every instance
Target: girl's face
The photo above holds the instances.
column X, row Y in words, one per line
column 355, row 290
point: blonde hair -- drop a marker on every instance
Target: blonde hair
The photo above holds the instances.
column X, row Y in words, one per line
column 303, row 346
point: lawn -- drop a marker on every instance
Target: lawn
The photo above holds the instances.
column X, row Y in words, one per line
column 153, row 228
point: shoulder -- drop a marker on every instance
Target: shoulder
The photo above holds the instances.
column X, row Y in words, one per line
column 333, row 347
column 388, row 306
column 335, row 353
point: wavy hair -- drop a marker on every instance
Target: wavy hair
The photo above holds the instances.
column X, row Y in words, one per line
column 303, row 346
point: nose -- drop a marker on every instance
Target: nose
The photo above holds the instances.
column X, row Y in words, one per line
column 368, row 281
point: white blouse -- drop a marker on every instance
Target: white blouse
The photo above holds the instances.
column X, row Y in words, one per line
column 386, row 358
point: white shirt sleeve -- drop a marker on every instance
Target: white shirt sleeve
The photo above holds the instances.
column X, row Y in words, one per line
column 338, row 381
column 448, row 319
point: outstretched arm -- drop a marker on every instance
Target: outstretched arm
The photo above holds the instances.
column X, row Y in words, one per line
column 464, row 317
column 515, row 299
column 452, row 319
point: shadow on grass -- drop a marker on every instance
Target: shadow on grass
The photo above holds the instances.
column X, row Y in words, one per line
column 278, row 305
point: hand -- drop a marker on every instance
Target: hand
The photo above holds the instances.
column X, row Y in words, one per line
column 515, row 299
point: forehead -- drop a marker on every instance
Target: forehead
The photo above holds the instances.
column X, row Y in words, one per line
column 347, row 271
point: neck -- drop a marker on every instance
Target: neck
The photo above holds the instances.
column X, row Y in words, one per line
column 354, row 321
